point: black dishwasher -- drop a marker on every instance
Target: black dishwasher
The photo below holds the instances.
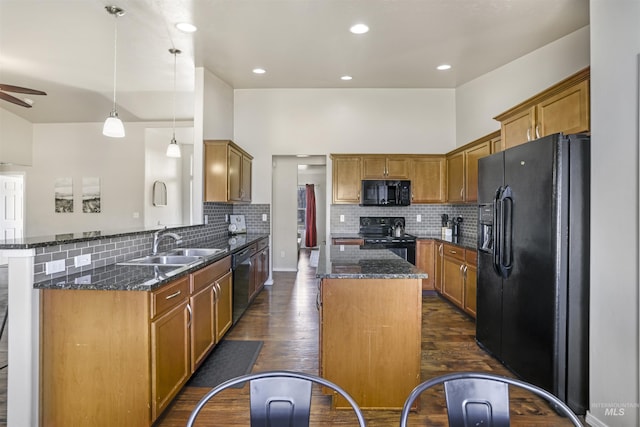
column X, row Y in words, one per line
column 242, row 272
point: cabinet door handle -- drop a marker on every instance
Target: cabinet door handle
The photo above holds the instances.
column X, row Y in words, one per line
column 190, row 315
column 537, row 131
column 451, row 251
column 528, row 134
column 318, row 301
column 440, row 249
column 216, row 288
column 173, row 295
column 462, row 192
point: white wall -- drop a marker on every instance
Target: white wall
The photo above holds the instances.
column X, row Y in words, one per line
column 16, row 139
column 479, row 100
column 320, row 121
column 614, row 345
column 174, row 172
column 80, row 150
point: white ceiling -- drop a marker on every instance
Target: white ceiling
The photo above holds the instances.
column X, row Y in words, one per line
column 65, row 47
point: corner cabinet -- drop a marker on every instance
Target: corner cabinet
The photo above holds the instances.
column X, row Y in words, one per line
column 227, row 172
column 462, row 167
column 564, row 107
column 347, row 176
column 137, row 348
column 428, row 179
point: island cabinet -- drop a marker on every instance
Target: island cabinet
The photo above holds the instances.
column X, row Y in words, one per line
column 118, row 357
column 227, row 172
column 462, row 168
column 347, row 177
column 428, row 179
column 425, row 261
column 370, row 339
column 385, row 167
column 459, row 277
column 564, row 107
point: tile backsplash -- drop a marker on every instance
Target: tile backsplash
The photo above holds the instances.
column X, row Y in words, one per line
column 116, row 249
column 429, row 225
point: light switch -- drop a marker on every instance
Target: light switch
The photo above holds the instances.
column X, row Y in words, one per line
column 264, row 217
column 418, row 218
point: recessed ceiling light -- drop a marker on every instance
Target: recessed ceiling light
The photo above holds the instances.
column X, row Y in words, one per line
column 186, row 27
column 443, row 67
column 259, row 70
column 359, row 29
column 346, row 78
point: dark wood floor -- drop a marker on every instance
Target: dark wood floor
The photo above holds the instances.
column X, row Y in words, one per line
column 285, row 318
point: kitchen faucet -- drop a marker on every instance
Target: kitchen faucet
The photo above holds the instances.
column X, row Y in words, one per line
column 159, row 235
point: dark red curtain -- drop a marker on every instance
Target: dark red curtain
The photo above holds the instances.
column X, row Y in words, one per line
column 310, row 237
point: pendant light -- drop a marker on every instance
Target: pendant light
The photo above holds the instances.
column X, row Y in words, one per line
column 113, row 126
column 173, row 150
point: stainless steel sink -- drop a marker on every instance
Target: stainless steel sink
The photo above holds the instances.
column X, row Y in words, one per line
column 199, row 252
column 169, row 260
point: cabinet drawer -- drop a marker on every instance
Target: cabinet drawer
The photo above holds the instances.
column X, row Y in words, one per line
column 169, row 296
column 203, row 277
column 347, row 241
column 453, row 251
column 471, row 257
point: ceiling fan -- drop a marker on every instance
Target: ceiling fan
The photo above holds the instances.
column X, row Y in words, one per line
column 17, row 89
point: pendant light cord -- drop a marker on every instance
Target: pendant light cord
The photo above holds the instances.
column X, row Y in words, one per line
column 175, row 58
column 115, row 59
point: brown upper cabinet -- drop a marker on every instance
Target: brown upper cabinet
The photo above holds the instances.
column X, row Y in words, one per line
column 428, row 178
column 563, row 107
column 462, row 167
column 347, row 174
column 385, row 167
column 227, row 172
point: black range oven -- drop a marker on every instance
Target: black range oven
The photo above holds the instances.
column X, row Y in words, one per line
column 388, row 233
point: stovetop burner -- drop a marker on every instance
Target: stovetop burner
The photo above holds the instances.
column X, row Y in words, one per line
column 379, row 229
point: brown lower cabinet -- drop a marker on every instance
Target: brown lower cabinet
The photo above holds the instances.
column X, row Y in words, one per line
column 370, row 338
column 458, row 275
column 260, row 267
column 119, row 357
column 425, row 261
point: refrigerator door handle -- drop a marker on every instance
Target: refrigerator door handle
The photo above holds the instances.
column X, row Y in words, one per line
column 497, row 226
column 505, row 258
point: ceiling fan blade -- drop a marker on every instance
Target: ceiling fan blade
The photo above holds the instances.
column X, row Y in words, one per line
column 18, row 89
column 13, row 100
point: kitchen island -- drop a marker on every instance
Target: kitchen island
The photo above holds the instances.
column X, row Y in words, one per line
column 370, row 307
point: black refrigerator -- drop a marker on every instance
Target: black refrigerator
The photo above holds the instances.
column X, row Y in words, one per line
column 533, row 263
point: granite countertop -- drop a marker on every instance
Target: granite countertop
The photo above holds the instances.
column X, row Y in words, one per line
column 351, row 262
column 145, row 278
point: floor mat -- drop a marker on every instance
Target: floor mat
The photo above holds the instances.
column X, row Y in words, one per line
column 229, row 359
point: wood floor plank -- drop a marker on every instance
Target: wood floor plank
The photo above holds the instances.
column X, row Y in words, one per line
column 284, row 316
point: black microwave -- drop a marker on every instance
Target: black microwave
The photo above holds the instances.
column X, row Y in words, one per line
column 385, row 193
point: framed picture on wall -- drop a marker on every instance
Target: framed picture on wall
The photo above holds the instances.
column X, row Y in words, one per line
column 63, row 195
column 91, row 195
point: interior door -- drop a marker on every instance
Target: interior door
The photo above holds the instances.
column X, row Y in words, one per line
column 11, row 206
column 529, row 293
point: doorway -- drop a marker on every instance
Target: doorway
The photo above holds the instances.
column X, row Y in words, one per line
column 11, row 206
column 290, row 172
